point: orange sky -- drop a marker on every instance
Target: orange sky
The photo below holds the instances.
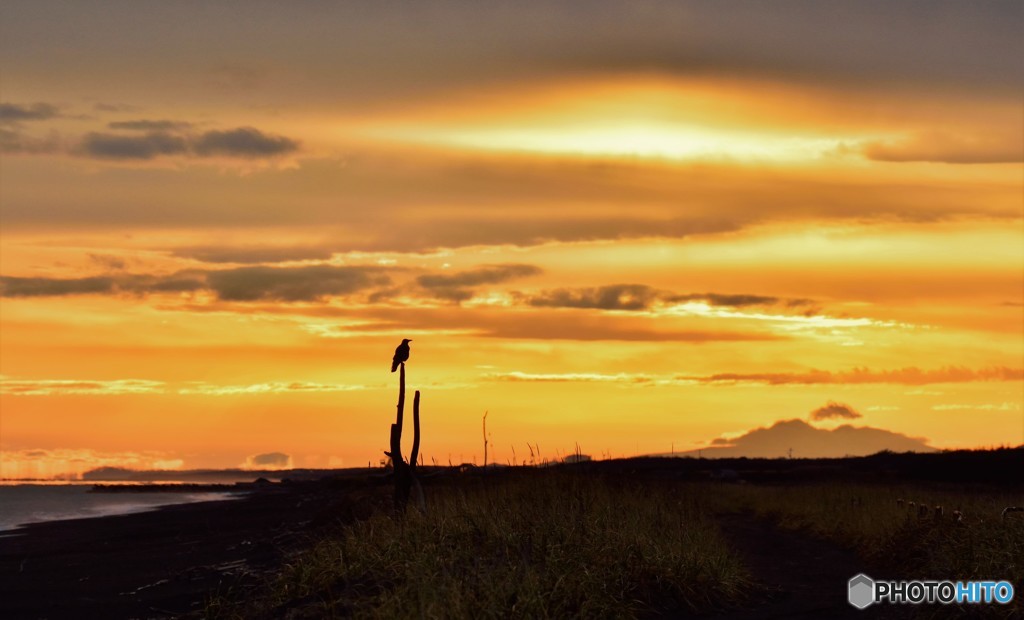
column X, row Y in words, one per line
column 650, row 227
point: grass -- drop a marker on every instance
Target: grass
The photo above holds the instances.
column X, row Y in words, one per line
column 868, row 519
column 537, row 545
column 554, row 544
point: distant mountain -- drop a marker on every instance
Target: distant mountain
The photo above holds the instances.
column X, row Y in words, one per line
column 808, row 441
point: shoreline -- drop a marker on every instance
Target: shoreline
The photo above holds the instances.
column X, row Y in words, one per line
column 83, row 502
column 163, row 563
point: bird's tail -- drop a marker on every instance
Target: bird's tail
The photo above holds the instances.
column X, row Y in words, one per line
column 394, row 366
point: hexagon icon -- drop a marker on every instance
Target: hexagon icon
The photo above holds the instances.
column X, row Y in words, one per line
column 862, row 591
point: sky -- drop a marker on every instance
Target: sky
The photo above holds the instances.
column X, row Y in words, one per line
column 637, row 227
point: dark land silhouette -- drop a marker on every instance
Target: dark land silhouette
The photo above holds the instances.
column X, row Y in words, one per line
column 174, row 561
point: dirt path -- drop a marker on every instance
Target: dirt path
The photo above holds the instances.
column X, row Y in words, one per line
column 805, row 577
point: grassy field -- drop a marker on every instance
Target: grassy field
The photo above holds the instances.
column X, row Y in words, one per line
column 540, row 545
column 547, row 543
column 893, row 536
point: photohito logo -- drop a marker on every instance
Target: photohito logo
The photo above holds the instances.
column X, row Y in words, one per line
column 864, row 591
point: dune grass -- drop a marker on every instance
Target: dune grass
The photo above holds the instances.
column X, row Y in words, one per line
column 545, row 545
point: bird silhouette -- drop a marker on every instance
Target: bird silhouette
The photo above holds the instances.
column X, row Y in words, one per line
column 401, row 354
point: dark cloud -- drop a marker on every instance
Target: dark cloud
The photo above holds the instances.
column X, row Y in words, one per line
column 148, row 146
column 54, row 287
column 181, row 282
column 448, row 46
column 311, row 283
column 243, row 284
column 113, row 284
column 904, row 376
column 735, row 301
column 13, row 112
column 158, row 140
column 612, row 297
column 108, row 261
column 806, row 441
column 489, row 274
column 269, row 460
column 834, row 411
column 243, row 142
column 150, row 125
column 252, row 254
column 452, row 294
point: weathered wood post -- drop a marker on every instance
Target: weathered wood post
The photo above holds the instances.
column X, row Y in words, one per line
column 405, row 473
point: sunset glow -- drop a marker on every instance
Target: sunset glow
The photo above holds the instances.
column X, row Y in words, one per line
column 636, row 229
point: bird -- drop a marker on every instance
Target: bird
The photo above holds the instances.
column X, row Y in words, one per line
column 401, row 354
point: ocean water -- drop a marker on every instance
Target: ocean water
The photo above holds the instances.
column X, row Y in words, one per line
column 33, row 503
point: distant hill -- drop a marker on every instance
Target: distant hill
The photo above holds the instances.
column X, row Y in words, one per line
column 808, row 441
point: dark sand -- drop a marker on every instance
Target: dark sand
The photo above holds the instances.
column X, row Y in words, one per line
column 166, row 563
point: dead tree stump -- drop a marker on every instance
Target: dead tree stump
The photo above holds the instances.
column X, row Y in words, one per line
column 405, row 472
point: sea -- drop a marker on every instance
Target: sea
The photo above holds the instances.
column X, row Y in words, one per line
column 35, row 502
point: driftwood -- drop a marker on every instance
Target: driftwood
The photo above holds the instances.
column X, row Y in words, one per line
column 405, row 472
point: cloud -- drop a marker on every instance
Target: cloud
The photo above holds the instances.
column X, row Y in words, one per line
column 158, row 141
column 13, row 112
column 73, row 463
column 584, row 377
column 54, row 287
column 1002, row 148
column 454, row 287
column 528, row 231
column 273, row 387
column 451, row 46
column 243, row 142
column 84, row 387
column 540, row 324
column 150, row 125
column 642, row 297
column 252, row 254
column 306, row 283
column 118, row 147
column 268, row 460
column 489, row 274
column 903, row 376
column 311, row 283
column 806, row 441
column 735, row 301
column 978, row 407
column 72, row 387
column 612, row 297
column 387, row 201
column 833, row 411
column 108, row 261
column 183, row 281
